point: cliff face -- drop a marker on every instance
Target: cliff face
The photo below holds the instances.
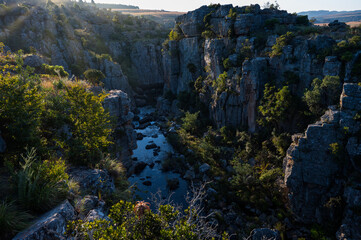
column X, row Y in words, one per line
column 80, row 36
column 322, row 165
column 239, row 45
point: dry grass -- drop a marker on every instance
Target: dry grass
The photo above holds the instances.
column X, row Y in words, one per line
column 351, row 24
column 141, row 12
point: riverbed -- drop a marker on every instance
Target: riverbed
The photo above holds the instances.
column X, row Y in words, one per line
column 152, row 179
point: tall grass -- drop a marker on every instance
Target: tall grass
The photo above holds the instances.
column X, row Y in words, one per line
column 11, row 219
column 40, row 186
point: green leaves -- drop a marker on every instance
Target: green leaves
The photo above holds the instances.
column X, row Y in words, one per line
column 322, row 94
column 90, row 125
column 124, row 223
column 274, row 106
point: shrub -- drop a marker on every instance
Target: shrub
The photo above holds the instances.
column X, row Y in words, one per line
column 302, row 20
column 208, row 34
column 113, row 166
column 226, row 64
column 232, row 14
column 176, row 34
column 322, row 94
column 90, row 125
column 281, row 42
column 198, row 84
column 138, row 221
column 21, row 104
column 275, row 106
column 190, row 123
column 94, row 76
column 54, row 70
column 220, row 84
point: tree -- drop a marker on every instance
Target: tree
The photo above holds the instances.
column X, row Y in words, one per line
column 322, row 94
column 275, row 106
column 90, row 125
column 94, row 76
column 21, row 107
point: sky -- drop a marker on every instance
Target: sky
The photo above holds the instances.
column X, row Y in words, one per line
column 289, row 5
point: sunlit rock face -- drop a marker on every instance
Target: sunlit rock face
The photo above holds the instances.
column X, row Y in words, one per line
column 246, row 73
column 81, row 36
column 321, row 165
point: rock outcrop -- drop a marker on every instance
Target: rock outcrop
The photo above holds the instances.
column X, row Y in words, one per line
column 321, row 168
column 51, row 225
column 232, row 50
column 92, row 181
column 119, row 106
column 92, row 39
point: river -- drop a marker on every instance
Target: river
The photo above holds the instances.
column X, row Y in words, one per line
column 152, row 179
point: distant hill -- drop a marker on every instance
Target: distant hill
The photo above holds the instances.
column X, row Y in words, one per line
column 115, row 6
column 324, row 16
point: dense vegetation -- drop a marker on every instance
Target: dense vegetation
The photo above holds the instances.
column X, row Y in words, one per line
column 48, row 123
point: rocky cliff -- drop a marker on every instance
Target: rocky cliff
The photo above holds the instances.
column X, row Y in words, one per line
column 233, row 46
column 79, row 36
column 322, row 168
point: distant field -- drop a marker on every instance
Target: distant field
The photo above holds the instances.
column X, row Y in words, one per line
column 351, row 24
column 164, row 17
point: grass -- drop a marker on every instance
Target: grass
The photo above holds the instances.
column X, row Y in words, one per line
column 11, row 219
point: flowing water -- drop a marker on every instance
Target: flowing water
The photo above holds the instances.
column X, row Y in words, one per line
column 152, row 179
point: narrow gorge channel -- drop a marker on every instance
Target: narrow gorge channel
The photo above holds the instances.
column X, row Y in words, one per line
column 153, row 149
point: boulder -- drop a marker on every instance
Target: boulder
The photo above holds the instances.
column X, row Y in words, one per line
column 151, row 146
column 119, row 106
column 51, row 225
column 96, row 214
column 189, row 175
column 34, row 61
column 92, row 181
column 139, row 167
column 204, row 168
column 89, row 202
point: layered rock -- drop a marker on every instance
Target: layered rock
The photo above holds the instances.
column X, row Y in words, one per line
column 321, row 165
column 92, row 181
column 51, row 225
column 226, row 52
column 119, row 106
column 91, row 40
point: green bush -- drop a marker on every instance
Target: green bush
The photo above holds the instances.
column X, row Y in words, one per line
column 90, row 125
column 281, row 42
column 232, row 14
column 220, row 84
column 208, row 34
column 322, row 94
column 54, row 70
column 129, row 221
column 21, row 104
column 198, row 84
column 190, row 123
column 94, row 76
column 275, row 106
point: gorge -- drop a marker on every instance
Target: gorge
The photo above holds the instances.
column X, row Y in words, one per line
column 257, row 107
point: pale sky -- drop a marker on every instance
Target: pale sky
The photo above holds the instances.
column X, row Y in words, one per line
column 289, row 5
